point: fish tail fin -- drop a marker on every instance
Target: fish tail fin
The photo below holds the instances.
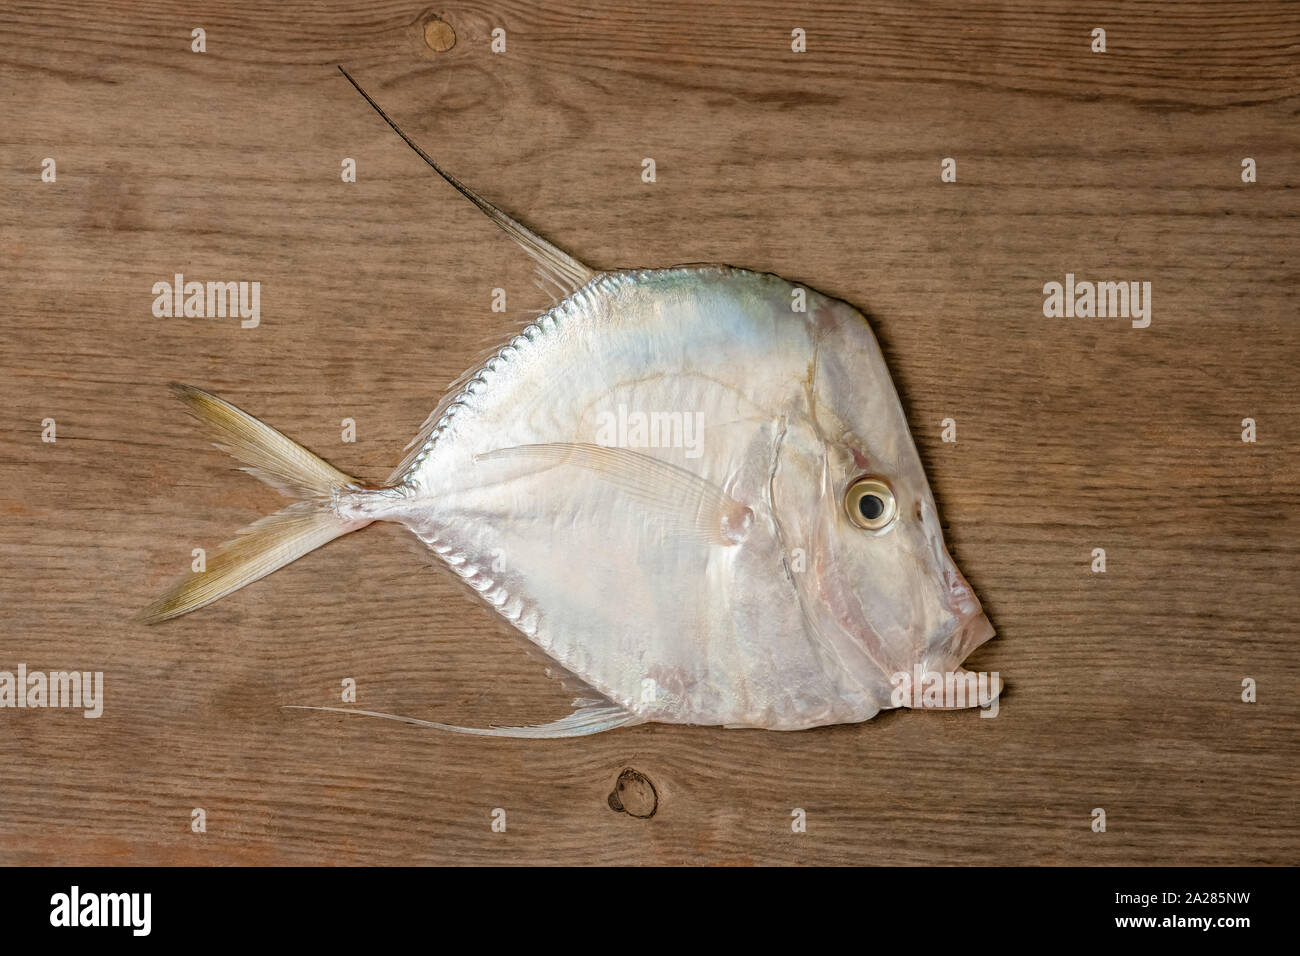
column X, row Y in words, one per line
column 272, row 542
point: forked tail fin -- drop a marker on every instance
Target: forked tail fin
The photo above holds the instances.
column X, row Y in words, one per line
column 271, row 543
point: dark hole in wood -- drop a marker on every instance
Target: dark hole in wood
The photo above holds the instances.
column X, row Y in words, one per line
column 634, row 795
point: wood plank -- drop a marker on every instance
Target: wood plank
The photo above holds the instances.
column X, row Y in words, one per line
column 1124, row 687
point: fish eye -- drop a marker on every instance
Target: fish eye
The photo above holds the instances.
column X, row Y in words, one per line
column 870, row 503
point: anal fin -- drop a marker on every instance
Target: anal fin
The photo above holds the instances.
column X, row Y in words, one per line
column 589, row 718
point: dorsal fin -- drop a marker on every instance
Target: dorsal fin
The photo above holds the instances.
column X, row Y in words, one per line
column 567, row 271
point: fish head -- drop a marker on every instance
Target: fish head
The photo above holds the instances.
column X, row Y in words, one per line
column 879, row 586
column 880, row 571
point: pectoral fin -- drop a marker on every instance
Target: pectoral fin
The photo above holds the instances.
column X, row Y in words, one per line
column 694, row 504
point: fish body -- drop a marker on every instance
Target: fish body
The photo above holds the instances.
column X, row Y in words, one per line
column 619, row 585
column 693, row 489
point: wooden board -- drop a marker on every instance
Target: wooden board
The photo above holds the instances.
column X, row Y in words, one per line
column 1125, row 687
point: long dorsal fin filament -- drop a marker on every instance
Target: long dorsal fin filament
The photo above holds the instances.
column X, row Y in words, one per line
column 564, row 268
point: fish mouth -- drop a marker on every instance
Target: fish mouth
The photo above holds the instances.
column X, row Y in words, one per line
column 951, row 653
column 938, row 681
column 977, row 630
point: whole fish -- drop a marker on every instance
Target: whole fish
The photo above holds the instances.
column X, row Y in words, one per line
column 693, row 489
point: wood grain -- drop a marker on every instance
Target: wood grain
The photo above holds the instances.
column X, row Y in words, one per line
column 1124, row 687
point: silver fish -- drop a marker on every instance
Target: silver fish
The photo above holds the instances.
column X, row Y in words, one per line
column 694, row 489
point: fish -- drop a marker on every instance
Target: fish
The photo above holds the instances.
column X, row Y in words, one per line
column 692, row 489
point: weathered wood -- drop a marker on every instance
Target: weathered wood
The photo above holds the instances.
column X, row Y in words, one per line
column 1073, row 434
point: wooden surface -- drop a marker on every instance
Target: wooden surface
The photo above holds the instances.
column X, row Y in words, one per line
column 1124, row 687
